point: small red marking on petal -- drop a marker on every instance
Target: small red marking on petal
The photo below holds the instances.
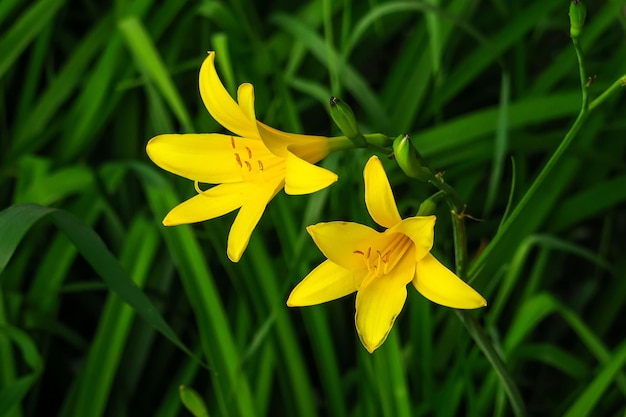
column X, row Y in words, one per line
column 232, row 142
column 358, row 252
column 260, row 165
column 248, row 165
column 238, row 159
column 249, row 152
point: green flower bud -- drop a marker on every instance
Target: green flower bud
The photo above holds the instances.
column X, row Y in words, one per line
column 343, row 116
column 193, row 402
column 577, row 14
column 428, row 206
column 409, row 160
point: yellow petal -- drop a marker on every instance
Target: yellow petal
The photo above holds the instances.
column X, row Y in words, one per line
column 221, row 105
column 213, row 203
column 378, row 195
column 209, row 158
column 346, row 243
column 302, row 177
column 379, row 302
column 313, row 148
column 327, row 282
column 421, row 230
column 249, row 215
column 245, row 98
column 440, row 285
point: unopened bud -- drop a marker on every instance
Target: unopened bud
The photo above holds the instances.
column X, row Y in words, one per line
column 577, row 14
column 193, row 402
column 409, row 160
column 343, row 116
column 429, row 206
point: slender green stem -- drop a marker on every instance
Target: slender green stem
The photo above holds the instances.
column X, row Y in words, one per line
column 484, row 343
column 620, row 82
column 475, row 330
column 583, row 75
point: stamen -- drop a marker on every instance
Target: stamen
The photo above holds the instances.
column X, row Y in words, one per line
column 248, row 165
column 260, row 165
column 249, row 152
column 399, row 250
column 238, row 159
column 232, row 142
column 196, row 185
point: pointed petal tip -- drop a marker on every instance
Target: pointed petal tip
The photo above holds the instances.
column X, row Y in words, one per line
column 233, row 255
column 441, row 286
column 370, row 345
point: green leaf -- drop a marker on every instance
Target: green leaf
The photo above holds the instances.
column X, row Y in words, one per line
column 18, row 219
column 151, row 65
column 30, row 23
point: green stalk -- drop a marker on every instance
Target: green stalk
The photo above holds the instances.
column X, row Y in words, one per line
column 620, row 82
column 473, row 327
column 484, row 343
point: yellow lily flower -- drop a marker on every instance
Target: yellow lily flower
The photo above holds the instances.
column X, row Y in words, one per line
column 379, row 265
column 250, row 168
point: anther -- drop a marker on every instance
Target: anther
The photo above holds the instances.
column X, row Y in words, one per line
column 238, row 159
column 248, row 165
column 249, row 152
column 260, row 165
column 232, row 142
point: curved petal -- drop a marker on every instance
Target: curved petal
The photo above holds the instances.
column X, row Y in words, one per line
column 278, row 141
column 327, row 282
column 302, row 177
column 210, row 158
column 348, row 244
column 421, row 230
column 245, row 98
column 212, row 203
column 221, row 105
column 378, row 195
column 440, row 285
column 249, row 215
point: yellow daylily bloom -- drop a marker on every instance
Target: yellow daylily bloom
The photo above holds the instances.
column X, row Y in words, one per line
column 250, row 168
column 379, row 265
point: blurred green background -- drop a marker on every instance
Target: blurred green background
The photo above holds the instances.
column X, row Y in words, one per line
column 487, row 90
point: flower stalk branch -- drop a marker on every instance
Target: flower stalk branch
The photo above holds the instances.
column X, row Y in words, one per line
column 475, row 330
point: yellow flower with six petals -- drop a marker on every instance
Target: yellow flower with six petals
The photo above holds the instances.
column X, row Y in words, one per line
column 379, row 265
column 250, row 168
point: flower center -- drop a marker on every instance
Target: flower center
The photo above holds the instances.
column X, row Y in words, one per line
column 245, row 160
column 381, row 262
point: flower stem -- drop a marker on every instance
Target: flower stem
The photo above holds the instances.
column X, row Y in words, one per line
column 620, row 82
column 484, row 343
column 475, row 330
